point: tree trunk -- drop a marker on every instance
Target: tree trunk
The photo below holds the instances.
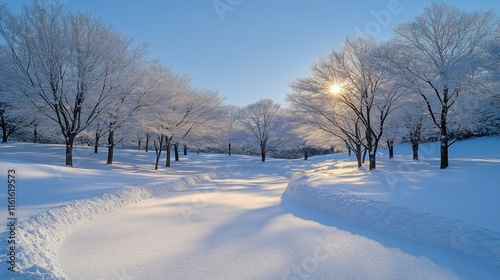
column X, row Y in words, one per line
column 444, row 152
column 168, row 148
column 70, row 139
column 176, row 151
column 373, row 162
column 364, row 156
column 147, row 142
column 35, row 134
column 306, row 153
column 229, row 149
column 444, row 135
column 96, row 146
column 348, row 147
column 373, row 154
column 390, row 145
column 263, row 155
column 359, row 159
column 139, row 141
column 358, row 152
column 3, row 124
column 414, row 147
column 185, row 149
column 158, row 151
column 111, row 146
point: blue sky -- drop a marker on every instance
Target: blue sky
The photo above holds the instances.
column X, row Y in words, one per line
column 250, row 49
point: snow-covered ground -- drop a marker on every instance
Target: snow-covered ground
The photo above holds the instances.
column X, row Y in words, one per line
column 191, row 223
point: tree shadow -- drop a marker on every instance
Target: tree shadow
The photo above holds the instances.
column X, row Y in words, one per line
column 466, row 267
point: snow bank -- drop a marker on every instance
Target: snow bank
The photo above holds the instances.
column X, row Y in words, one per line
column 39, row 236
column 403, row 222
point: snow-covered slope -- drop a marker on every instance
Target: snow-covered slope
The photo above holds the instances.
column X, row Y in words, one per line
column 455, row 208
column 398, row 221
column 39, row 236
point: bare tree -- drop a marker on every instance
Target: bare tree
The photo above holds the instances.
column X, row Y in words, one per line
column 262, row 120
column 438, row 53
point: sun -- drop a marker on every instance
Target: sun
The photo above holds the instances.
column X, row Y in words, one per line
column 335, row 89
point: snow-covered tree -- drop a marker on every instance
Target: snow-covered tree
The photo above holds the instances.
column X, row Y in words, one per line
column 438, row 53
column 230, row 125
column 12, row 114
column 66, row 61
column 264, row 121
column 177, row 110
column 133, row 88
column 215, row 132
column 410, row 122
column 349, row 96
column 489, row 121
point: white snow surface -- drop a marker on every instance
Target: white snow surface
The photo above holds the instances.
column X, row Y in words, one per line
column 220, row 217
column 383, row 217
column 232, row 227
column 42, row 234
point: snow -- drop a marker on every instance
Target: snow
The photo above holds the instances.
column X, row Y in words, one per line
column 41, row 235
column 221, row 217
column 242, row 232
column 399, row 221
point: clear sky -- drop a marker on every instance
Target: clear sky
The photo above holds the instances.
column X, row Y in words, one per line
column 250, row 49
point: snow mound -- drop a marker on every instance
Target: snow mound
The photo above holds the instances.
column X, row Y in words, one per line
column 39, row 236
column 403, row 222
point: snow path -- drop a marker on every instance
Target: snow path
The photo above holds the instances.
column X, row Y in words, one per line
column 231, row 228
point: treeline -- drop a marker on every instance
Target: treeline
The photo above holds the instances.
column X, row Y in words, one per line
column 66, row 77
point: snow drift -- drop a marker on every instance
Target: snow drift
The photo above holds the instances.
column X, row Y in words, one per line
column 403, row 222
column 39, row 236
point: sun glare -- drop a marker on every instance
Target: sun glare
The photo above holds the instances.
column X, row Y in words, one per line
column 335, row 89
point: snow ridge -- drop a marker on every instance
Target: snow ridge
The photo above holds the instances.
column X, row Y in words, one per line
column 403, row 222
column 39, row 236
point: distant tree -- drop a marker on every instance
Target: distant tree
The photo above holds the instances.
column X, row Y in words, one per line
column 438, row 53
column 299, row 134
column 178, row 109
column 213, row 133
column 230, row 126
column 10, row 121
column 262, row 119
column 13, row 108
column 410, row 122
column 489, row 122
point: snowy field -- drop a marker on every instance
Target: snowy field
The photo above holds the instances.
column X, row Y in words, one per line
column 221, row 217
